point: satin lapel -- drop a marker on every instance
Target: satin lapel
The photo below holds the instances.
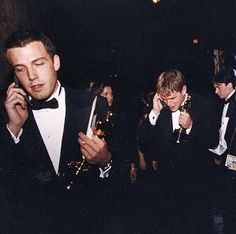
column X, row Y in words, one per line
column 166, row 124
column 232, row 107
column 76, row 120
column 231, row 113
column 34, row 147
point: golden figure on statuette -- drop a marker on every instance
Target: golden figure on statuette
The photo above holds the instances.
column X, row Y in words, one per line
column 180, row 134
column 78, row 170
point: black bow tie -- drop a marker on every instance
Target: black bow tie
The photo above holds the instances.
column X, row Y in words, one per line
column 226, row 101
column 38, row 105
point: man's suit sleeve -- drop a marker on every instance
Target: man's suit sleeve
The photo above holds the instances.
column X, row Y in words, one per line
column 7, row 144
column 204, row 130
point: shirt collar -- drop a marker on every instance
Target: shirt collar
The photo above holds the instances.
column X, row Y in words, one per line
column 230, row 95
column 56, row 93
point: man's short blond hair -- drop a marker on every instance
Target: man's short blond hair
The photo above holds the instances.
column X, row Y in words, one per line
column 170, row 81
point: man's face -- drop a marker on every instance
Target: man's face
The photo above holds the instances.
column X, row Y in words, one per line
column 175, row 99
column 223, row 90
column 35, row 69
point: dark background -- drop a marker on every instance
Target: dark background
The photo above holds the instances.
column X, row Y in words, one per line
column 129, row 41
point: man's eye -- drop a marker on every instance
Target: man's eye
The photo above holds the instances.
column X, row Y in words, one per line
column 39, row 63
column 18, row 70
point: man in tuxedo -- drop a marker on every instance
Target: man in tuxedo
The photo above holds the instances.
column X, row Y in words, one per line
column 46, row 126
column 225, row 151
column 183, row 162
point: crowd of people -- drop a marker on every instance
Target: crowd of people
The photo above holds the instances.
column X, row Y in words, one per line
column 71, row 163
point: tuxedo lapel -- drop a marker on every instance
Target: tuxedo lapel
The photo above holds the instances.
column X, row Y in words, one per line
column 166, row 124
column 232, row 107
column 37, row 156
column 76, row 120
column 231, row 113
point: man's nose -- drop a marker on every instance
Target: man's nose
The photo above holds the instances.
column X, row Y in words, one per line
column 32, row 74
column 168, row 102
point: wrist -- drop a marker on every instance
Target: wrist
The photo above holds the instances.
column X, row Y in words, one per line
column 156, row 111
column 15, row 130
column 105, row 166
column 107, row 160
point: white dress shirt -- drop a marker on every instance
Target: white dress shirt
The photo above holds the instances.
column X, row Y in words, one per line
column 175, row 118
column 222, row 146
column 51, row 126
column 50, row 123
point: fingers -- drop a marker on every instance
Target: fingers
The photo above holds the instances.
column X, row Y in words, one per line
column 15, row 96
column 157, row 98
column 185, row 120
column 15, row 99
column 94, row 150
column 157, row 103
column 12, row 89
column 184, row 116
column 92, row 143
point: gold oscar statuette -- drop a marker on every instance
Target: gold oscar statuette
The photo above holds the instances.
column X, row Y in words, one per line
column 77, row 170
column 180, row 134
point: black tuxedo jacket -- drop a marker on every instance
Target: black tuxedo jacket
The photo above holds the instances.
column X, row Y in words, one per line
column 191, row 156
column 230, row 134
column 185, row 168
column 41, row 202
column 32, row 163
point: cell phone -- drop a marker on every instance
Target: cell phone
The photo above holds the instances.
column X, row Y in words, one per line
column 17, row 82
column 164, row 104
column 18, row 85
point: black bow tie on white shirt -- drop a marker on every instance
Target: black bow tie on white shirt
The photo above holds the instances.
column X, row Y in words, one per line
column 226, row 102
column 38, row 105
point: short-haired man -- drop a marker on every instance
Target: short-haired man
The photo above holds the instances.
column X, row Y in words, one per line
column 225, row 151
column 183, row 163
column 47, row 123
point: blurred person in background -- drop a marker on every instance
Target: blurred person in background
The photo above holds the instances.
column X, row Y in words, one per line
column 225, row 152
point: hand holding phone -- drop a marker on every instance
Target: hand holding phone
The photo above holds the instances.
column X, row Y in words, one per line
column 158, row 104
column 16, row 108
column 18, row 85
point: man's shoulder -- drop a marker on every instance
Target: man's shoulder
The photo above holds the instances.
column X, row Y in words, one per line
column 202, row 99
column 82, row 98
column 78, row 97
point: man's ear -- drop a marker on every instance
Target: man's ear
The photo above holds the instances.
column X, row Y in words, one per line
column 230, row 85
column 56, row 62
column 184, row 90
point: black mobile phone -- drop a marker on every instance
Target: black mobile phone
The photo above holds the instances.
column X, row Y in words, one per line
column 165, row 107
column 17, row 82
column 18, row 85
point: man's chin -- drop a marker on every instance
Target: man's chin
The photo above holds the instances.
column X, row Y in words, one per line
column 173, row 109
column 39, row 97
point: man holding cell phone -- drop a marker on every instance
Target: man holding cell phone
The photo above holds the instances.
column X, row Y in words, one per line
column 47, row 124
column 184, row 163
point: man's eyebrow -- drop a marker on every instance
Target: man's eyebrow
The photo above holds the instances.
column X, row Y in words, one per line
column 169, row 98
column 35, row 60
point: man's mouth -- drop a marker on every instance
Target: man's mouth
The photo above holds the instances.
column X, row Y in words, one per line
column 37, row 87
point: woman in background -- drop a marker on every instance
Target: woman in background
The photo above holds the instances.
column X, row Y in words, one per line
column 123, row 136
